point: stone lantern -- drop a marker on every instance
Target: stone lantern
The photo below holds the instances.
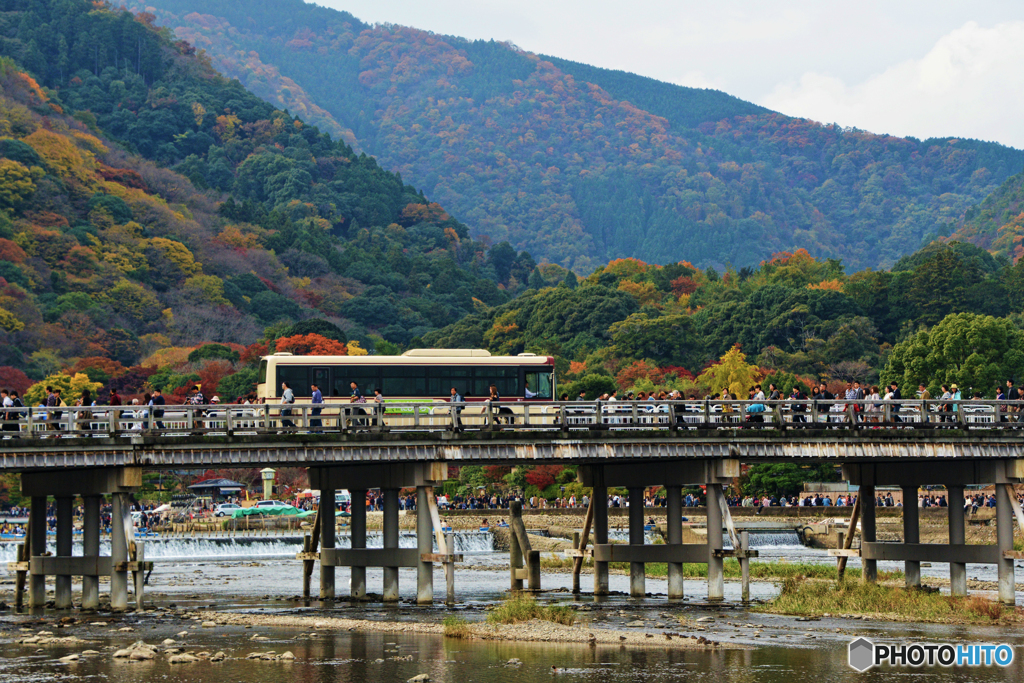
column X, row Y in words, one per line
column 268, row 475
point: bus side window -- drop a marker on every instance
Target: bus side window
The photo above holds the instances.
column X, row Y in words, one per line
column 297, row 377
column 367, row 378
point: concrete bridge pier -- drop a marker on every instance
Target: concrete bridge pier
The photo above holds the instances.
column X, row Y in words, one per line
column 909, row 474
column 675, row 537
column 328, row 522
column 1004, row 541
column 673, row 476
column 911, row 534
column 357, row 584
column 716, row 563
column 126, row 554
column 424, row 545
column 391, row 543
column 62, row 583
column 868, row 530
column 37, row 548
column 91, row 548
column 119, row 552
column 957, row 536
column 358, row 478
column 600, row 530
column 637, row 576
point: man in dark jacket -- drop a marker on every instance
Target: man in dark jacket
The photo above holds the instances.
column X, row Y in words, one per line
column 896, row 395
column 1012, row 394
column 158, row 411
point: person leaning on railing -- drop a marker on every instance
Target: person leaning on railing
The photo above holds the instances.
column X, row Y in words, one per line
column 315, row 423
column 10, row 423
column 456, row 409
column 1012, row 395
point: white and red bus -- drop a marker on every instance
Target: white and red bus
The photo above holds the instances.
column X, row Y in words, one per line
column 416, row 375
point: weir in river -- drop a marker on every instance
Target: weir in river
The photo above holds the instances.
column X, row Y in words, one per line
column 276, row 546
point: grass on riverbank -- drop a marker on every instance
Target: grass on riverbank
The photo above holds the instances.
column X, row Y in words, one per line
column 455, row 627
column 519, row 608
column 892, row 602
column 758, row 570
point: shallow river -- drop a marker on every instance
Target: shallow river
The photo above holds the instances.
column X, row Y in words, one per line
column 216, row 577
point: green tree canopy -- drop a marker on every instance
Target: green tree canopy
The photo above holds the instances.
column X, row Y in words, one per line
column 211, row 352
column 976, row 352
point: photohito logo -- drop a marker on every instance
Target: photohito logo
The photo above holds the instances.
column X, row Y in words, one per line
column 864, row 654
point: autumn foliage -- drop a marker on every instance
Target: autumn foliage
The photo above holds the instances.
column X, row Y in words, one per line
column 13, row 378
column 629, row 375
column 311, row 345
column 543, row 476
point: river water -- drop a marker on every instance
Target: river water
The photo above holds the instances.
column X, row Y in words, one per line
column 254, row 575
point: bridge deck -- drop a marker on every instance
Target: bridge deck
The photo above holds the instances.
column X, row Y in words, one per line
column 504, row 445
column 563, row 432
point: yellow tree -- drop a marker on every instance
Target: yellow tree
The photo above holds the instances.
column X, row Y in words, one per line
column 731, row 372
column 71, row 387
column 17, row 183
column 354, row 349
column 9, row 322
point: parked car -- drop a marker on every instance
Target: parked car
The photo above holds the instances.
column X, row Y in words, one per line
column 225, row 509
column 270, row 504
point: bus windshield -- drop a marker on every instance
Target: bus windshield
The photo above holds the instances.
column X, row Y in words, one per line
column 538, row 385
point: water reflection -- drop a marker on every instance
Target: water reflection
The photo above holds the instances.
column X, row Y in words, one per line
column 381, row 658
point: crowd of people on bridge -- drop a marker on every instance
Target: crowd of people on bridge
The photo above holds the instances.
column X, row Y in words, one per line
column 145, row 412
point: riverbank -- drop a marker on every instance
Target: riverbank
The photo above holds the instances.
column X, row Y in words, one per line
column 887, row 603
column 534, row 631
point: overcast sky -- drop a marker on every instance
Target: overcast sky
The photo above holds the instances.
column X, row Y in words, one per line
column 906, row 67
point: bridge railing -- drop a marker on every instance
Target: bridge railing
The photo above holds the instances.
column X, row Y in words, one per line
column 188, row 420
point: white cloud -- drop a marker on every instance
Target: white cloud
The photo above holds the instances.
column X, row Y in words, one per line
column 970, row 84
column 698, row 79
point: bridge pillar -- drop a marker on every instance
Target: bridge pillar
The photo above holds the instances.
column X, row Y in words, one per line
column 911, row 534
column 867, row 529
column 600, row 533
column 357, row 582
column 390, row 542
column 91, row 548
column 62, row 583
column 37, row 548
column 957, row 536
column 328, row 522
column 675, row 537
column 637, row 585
column 119, row 552
column 425, row 545
column 1004, row 542
column 716, row 568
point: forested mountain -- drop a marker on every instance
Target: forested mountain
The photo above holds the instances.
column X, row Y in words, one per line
column 581, row 165
column 267, row 221
column 634, row 325
column 997, row 223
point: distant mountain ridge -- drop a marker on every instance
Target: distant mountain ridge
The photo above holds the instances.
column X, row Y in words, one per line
column 681, row 106
column 581, row 165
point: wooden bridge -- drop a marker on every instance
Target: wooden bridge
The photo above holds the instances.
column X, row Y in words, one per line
column 97, row 451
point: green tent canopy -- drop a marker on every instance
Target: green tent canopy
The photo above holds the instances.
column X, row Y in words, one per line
column 271, row 510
